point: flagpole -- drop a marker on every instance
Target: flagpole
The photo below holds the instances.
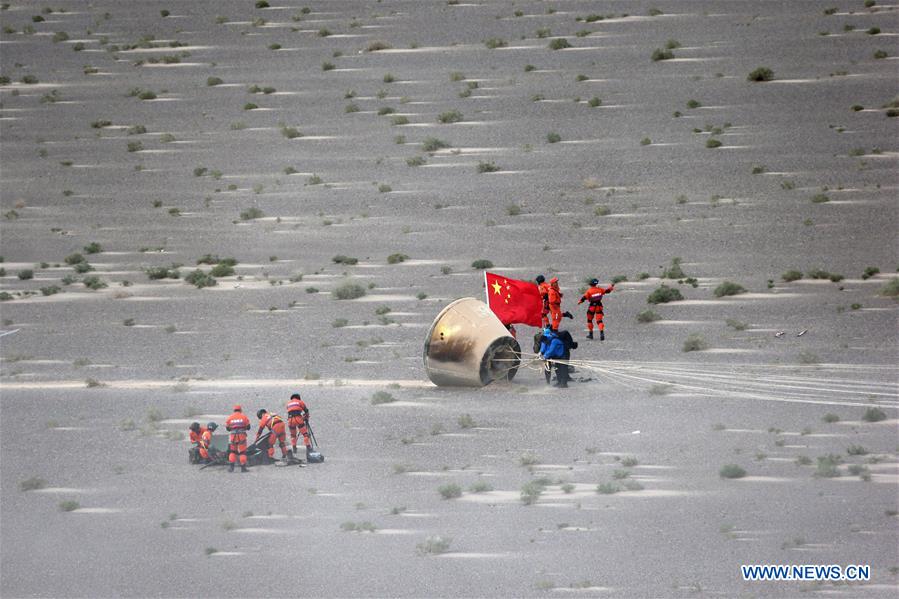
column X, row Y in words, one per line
column 486, row 295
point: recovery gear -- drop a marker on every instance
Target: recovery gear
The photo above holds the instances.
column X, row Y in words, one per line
column 554, row 300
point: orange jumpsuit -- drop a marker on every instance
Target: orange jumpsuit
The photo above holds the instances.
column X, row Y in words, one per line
column 205, row 442
column 543, row 288
column 275, row 424
column 237, row 424
column 198, row 440
column 554, row 298
column 297, row 413
column 594, row 296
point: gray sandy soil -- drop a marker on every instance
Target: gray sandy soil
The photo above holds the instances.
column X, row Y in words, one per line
column 602, row 169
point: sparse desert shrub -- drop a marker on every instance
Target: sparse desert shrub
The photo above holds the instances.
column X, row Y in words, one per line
column 94, row 282
column 50, row 290
column 594, row 102
column 290, row 132
column 222, row 270
column 693, row 103
column 648, row 316
column 660, row 54
column 874, row 415
column 528, row 459
column 560, row 43
column 830, row 418
column 823, row 274
column 529, row 67
column 348, row 291
column 328, row 66
column 873, row 31
column 466, row 421
column 712, row 143
column 213, row 81
column 819, row 198
column 32, row 484
column 531, row 492
column 607, row 488
column 135, row 146
column 856, row 450
column 728, row 288
column 450, row 491
column 200, row 279
column 869, row 272
column 480, row 487
column 434, row 545
column 450, row 116
column 880, row 54
column 481, row 264
column 695, row 342
column 629, row 461
column 347, row 260
column 487, row 167
column 828, row 466
column 251, row 213
column 736, row 324
column 396, row 258
column 432, row 144
column 376, row 45
column 68, row 505
column 415, row 161
column 664, row 294
column 731, row 471
column 399, row 121
column 891, row 289
column 761, row 74
column 553, row 137
column 791, row 275
column 26, row 274
column 495, row 42
column 382, row 397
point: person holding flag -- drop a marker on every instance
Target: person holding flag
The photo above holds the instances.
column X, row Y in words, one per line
column 513, row 301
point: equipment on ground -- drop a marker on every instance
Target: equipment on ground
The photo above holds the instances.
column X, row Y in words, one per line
column 468, row 346
column 313, row 457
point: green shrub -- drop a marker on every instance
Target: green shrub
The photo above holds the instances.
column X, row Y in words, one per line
column 880, row 54
column 434, row 545
column 648, row 316
column 68, row 505
column 480, row 487
column 553, row 138
column 347, row 260
column 693, row 103
column 251, row 213
column 874, row 415
column 32, row 484
column 695, row 342
column 221, row 270
column 290, row 132
column 828, row 466
column 531, row 492
column 348, row 291
column 712, row 143
column 791, row 275
column 891, row 289
column 761, row 74
column 450, row 116
column 213, row 81
column 560, row 43
column 432, row 144
column 415, row 161
column 382, row 397
column 396, row 258
column 495, row 42
column 450, row 491
column 200, row 279
column 607, row 488
column 26, row 274
column 869, row 272
column 487, row 167
column 663, row 295
column 731, row 471
column 328, row 66
column 594, row 102
column 728, row 288
column 94, row 282
column 481, row 264
column 830, row 418
column 660, row 54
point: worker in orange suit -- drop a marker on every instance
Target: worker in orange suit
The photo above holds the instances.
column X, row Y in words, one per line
column 297, row 417
column 554, row 297
column 594, row 295
column 275, row 424
column 196, row 438
column 543, row 288
column 238, row 425
column 206, row 440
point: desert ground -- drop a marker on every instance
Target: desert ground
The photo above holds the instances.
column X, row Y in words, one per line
column 298, row 152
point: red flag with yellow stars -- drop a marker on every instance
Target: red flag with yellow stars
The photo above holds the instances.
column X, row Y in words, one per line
column 513, row 301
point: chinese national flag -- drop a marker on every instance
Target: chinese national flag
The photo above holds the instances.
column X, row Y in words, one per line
column 513, row 301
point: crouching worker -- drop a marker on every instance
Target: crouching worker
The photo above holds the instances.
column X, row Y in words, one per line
column 199, row 450
column 275, row 424
column 552, row 349
column 238, row 425
column 297, row 418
